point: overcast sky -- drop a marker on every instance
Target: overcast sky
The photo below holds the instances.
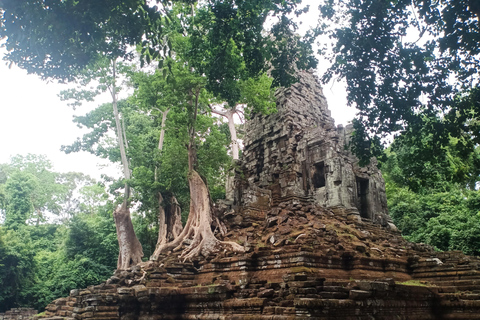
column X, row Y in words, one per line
column 34, row 120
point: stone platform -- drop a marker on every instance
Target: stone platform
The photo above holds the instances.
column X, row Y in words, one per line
column 311, row 263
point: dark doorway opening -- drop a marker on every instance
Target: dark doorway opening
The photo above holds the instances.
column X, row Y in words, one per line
column 319, row 175
column 362, row 193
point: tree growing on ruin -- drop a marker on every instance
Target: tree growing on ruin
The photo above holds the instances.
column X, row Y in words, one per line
column 223, row 56
column 105, row 72
column 225, row 47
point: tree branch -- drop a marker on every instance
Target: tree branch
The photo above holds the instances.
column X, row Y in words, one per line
column 220, row 113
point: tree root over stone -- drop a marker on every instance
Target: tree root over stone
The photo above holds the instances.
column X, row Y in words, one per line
column 130, row 249
column 169, row 220
column 198, row 227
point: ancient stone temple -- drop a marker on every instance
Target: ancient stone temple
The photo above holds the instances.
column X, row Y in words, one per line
column 298, row 153
column 318, row 242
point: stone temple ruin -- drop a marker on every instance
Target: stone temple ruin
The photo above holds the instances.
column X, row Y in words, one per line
column 298, row 153
column 318, row 242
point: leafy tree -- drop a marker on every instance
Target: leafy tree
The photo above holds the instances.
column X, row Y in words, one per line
column 448, row 220
column 58, row 39
column 409, row 66
column 93, row 237
column 75, row 255
column 433, row 201
column 17, row 268
column 31, row 190
column 198, row 226
column 19, row 190
column 43, row 261
column 410, row 163
column 91, row 196
column 105, row 71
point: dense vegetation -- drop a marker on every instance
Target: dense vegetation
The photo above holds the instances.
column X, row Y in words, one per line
column 434, row 201
column 57, row 233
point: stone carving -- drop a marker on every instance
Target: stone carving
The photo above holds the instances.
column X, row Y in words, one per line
column 299, row 153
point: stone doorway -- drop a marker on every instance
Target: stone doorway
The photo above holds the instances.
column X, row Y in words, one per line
column 362, row 197
column 318, row 178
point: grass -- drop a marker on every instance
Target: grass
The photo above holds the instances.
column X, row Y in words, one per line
column 416, row 283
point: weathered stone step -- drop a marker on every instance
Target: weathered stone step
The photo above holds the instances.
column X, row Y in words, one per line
column 461, row 296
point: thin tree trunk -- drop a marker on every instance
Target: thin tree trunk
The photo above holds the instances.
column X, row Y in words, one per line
column 124, row 134
column 130, row 250
column 162, row 226
column 231, row 127
column 121, row 142
column 174, row 219
column 233, row 133
column 229, row 183
column 162, row 129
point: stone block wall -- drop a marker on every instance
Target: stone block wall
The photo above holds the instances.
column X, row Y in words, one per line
column 19, row 314
column 299, row 153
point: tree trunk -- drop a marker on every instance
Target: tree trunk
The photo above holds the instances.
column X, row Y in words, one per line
column 233, row 132
column 162, row 226
column 231, row 127
column 173, row 219
column 198, row 227
column 169, row 220
column 162, row 129
column 130, row 250
column 229, row 183
column 121, row 142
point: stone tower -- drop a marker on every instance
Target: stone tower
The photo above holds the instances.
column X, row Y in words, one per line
column 299, row 153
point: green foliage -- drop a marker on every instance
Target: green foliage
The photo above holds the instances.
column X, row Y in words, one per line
column 30, row 190
column 100, row 121
column 44, row 261
column 146, row 230
column 19, row 190
column 413, row 162
column 434, row 201
column 41, row 263
column 447, row 220
column 57, row 276
column 410, row 66
column 213, row 161
column 93, row 236
column 257, row 94
column 227, row 43
column 17, row 268
column 85, row 254
column 58, row 39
